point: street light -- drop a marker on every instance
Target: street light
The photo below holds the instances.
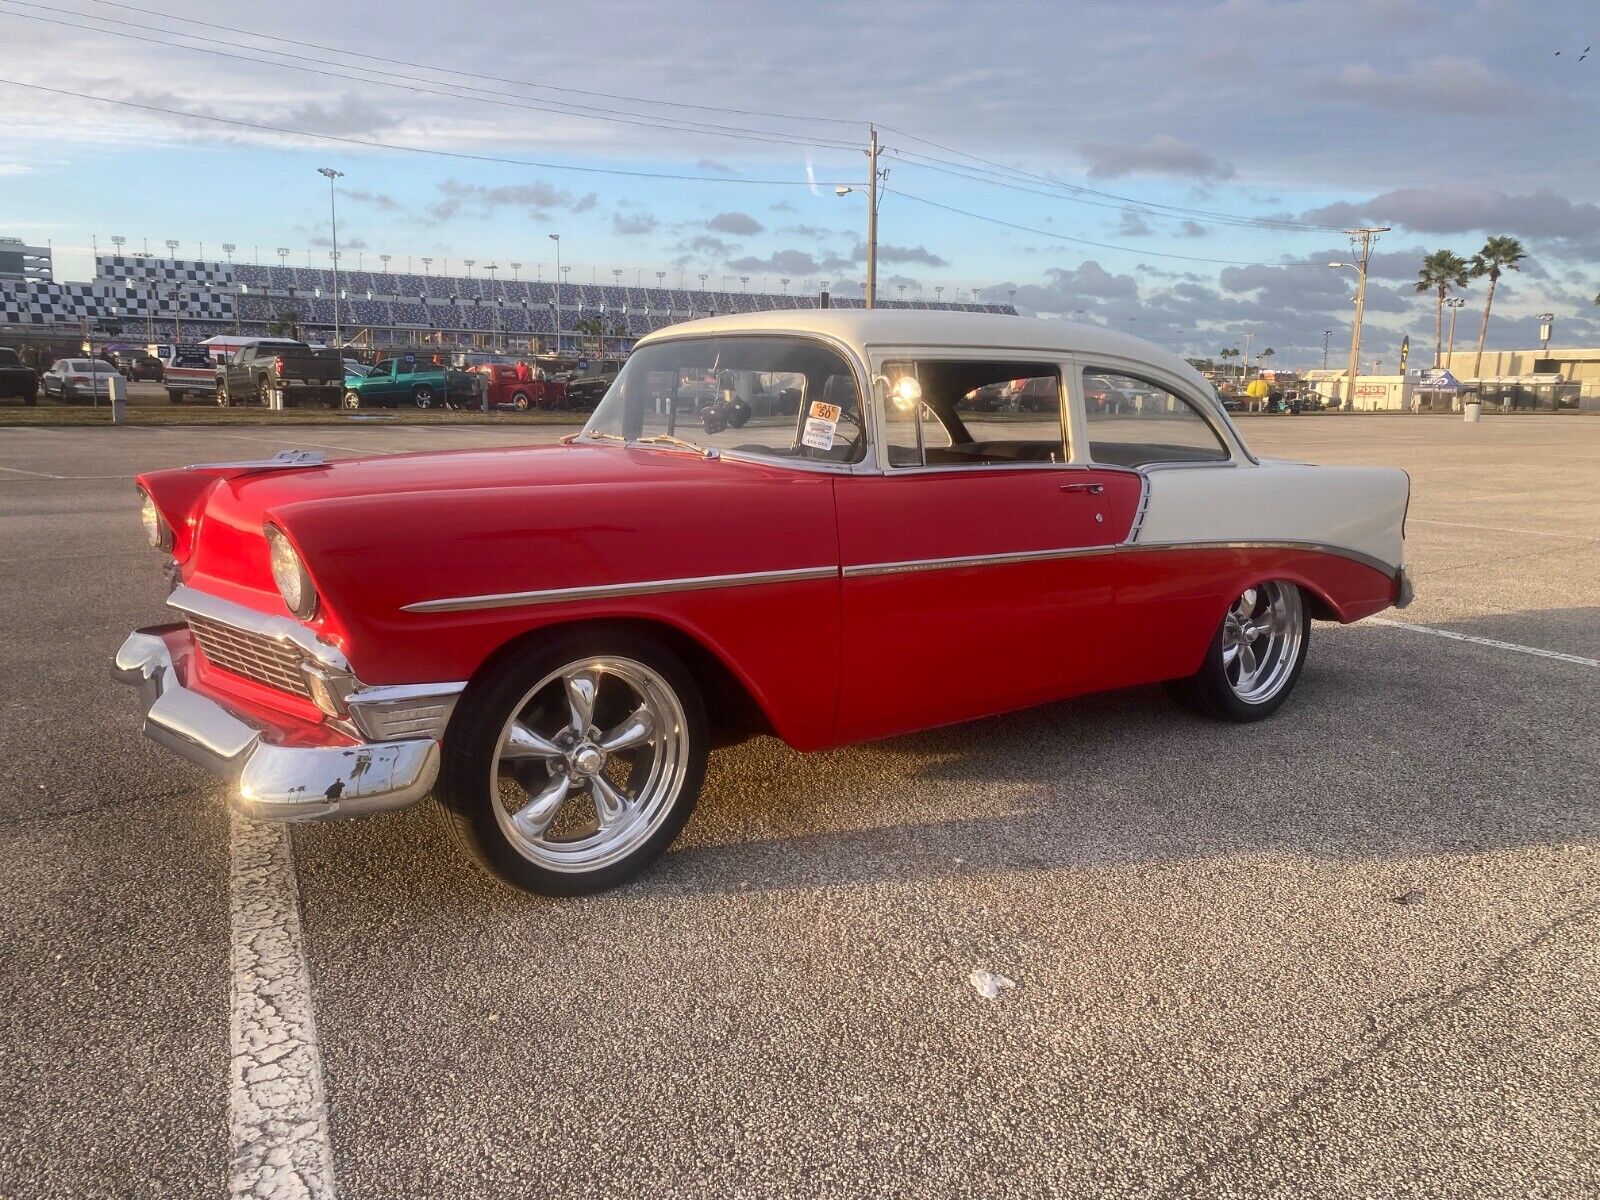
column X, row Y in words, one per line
column 1368, row 234
column 556, row 238
column 1454, row 304
column 1546, row 324
column 331, row 175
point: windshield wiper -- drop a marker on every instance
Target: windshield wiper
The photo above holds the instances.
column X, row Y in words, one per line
column 667, row 439
column 584, row 433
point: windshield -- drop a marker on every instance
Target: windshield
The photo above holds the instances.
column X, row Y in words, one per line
column 781, row 397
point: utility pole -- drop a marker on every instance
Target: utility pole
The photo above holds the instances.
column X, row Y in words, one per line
column 333, row 224
column 872, row 218
column 1368, row 234
column 1326, row 334
column 1244, row 365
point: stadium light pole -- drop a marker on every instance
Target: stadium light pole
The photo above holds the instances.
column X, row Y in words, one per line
column 332, row 177
column 384, row 259
column 283, row 257
column 744, row 281
column 785, row 283
column 228, row 248
column 1454, row 304
column 556, row 238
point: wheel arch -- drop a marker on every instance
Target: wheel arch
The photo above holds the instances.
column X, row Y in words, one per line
column 732, row 708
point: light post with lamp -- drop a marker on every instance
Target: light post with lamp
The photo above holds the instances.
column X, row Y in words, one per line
column 1368, row 234
column 1454, row 304
column 871, row 289
column 556, row 238
column 331, row 176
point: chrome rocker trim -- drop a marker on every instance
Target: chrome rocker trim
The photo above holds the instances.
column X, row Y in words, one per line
column 277, row 782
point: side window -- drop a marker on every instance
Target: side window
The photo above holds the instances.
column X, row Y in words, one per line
column 1133, row 423
column 968, row 412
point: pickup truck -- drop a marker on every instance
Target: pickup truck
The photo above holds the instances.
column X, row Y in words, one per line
column 17, row 380
column 279, row 374
column 189, row 371
column 396, row 381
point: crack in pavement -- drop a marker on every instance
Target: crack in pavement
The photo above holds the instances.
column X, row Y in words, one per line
column 1197, row 1179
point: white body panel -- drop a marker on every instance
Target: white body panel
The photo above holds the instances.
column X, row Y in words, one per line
column 1360, row 510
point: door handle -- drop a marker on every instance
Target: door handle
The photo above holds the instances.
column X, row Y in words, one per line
column 1092, row 489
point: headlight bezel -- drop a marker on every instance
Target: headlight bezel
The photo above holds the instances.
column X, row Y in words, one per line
column 157, row 530
column 294, row 583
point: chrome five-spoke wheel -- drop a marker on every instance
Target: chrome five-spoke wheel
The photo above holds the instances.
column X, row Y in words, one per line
column 589, row 764
column 573, row 764
column 1261, row 638
column 1255, row 656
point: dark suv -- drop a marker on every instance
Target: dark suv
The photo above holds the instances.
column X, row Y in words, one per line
column 16, row 379
column 136, row 364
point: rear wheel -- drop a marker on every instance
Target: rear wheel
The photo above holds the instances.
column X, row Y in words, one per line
column 174, row 397
column 1255, row 658
column 575, row 763
column 519, row 401
column 422, row 395
column 224, row 399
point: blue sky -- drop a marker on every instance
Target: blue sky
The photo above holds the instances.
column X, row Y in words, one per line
column 1212, row 150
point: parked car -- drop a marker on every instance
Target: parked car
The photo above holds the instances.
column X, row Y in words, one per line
column 17, row 379
column 506, row 390
column 552, row 638
column 585, row 388
column 281, row 374
column 70, row 379
column 136, row 364
column 406, row 381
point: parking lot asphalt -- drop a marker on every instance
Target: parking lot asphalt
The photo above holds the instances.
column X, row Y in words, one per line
column 1350, row 951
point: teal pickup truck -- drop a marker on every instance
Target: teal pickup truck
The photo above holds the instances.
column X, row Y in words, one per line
column 396, row 382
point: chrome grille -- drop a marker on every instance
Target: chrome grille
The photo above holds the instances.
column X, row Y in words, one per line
column 258, row 658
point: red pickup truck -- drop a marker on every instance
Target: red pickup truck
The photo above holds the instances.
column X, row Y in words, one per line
column 521, row 394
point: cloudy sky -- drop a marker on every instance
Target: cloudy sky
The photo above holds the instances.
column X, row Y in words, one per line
column 1179, row 169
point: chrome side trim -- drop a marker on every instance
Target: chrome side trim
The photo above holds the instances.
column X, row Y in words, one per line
column 859, row 570
column 907, row 566
column 1367, row 560
column 608, row 591
column 1138, row 515
column 193, row 602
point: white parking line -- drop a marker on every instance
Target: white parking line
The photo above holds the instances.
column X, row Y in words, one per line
column 1536, row 651
column 277, row 1110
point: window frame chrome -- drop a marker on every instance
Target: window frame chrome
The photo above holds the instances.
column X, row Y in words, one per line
column 1227, row 436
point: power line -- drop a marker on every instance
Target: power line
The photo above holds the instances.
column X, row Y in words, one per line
column 271, row 37
column 1146, row 208
column 370, row 144
column 1181, row 210
column 496, row 98
column 1062, row 237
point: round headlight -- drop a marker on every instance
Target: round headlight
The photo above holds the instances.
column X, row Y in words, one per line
column 155, row 525
column 289, row 573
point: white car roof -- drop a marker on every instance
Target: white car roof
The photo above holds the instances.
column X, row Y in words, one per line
column 863, row 328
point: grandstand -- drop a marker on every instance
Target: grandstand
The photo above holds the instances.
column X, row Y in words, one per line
column 164, row 299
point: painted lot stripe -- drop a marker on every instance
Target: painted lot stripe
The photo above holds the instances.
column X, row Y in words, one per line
column 1536, row 651
column 277, row 1110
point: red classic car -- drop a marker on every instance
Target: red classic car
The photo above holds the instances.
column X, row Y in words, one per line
column 551, row 639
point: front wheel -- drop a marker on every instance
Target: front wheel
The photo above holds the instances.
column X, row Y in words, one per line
column 352, row 400
column 575, row 763
column 1255, row 658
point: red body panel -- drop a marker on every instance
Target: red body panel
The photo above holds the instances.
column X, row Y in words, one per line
column 843, row 657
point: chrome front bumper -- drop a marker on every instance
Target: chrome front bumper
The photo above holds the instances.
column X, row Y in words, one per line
column 275, row 782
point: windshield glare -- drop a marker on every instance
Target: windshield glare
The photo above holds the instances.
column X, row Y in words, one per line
column 779, row 397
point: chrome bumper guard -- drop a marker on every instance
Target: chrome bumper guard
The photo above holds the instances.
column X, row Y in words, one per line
column 279, row 782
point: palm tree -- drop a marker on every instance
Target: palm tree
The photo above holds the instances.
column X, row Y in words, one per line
column 1441, row 271
column 1226, row 354
column 1499, row 254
